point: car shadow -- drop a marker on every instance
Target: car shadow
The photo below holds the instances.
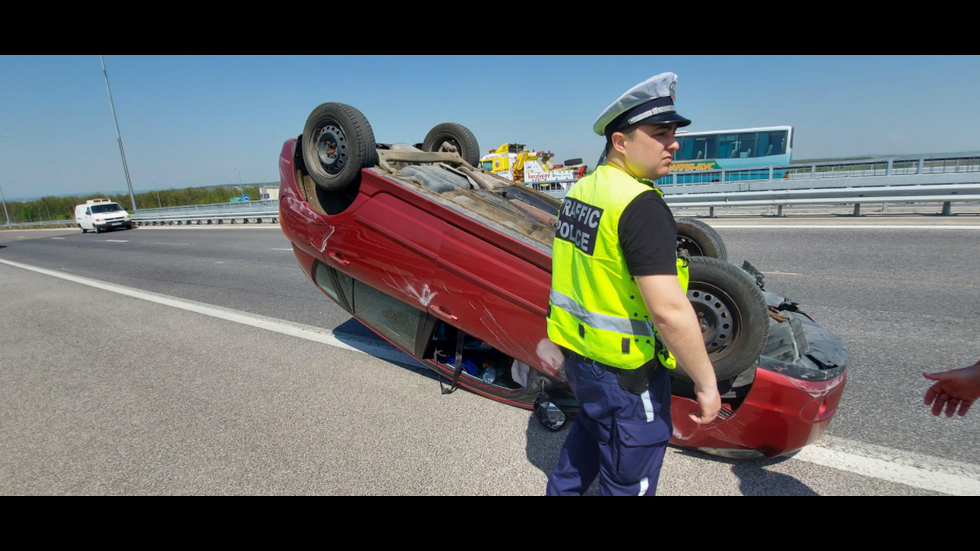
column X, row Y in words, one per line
column 357, row 335
column 755, row 479
column 543, row 447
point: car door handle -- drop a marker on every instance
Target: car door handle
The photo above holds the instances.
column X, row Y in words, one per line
column 339, row 258
column 439, row 311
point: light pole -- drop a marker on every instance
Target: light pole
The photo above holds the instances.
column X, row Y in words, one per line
column 241, row 190
column 4, row 206
column 2, row 198
column 158, row 193
column 118, row 135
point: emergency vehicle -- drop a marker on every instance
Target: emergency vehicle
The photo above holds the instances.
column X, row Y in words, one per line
column 532, row 168
column 101, row 215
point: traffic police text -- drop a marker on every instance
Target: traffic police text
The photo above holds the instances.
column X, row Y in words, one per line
column 579, row 224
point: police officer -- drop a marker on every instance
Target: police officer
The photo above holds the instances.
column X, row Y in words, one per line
column 619, row 309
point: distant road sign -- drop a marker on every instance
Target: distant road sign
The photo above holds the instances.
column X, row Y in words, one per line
column 237, row 199
column 245, row 198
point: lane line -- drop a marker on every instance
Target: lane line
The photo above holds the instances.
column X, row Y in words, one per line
column 117, row 241
column 908, row 468
column 315, row 334
column 58, row 238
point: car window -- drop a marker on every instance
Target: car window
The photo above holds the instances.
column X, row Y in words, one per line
column 106, row 208
column 324, row 280
column 391, row 317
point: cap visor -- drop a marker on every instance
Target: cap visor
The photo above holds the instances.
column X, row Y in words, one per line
column 666, row 118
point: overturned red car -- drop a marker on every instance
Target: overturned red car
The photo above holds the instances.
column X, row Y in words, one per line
column 451, row 264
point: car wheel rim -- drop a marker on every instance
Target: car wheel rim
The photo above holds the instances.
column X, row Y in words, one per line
column 692, row 247
column 448, row 145
column 718, row 317
column 331, row 147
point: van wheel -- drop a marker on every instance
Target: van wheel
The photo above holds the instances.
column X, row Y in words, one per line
column 732, row 313
column 83, row 229
column 699, row 239
column 337, row 143
column 453, row 138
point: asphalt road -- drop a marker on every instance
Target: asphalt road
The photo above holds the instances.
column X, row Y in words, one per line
column 113, row 394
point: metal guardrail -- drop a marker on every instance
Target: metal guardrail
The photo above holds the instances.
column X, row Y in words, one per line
column 259, row 211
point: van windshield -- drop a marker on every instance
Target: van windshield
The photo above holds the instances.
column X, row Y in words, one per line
column 96, row 209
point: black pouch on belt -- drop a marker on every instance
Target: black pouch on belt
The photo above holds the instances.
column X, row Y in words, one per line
column 635, row 381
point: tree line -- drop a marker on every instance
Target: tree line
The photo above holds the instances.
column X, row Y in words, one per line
column 63, row 208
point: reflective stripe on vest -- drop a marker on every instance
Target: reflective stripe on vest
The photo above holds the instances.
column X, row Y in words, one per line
column 596, row 309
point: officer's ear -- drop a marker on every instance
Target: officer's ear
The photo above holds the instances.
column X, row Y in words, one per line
column 617, row 142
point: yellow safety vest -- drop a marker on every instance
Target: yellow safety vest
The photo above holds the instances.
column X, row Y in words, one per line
column 596, row 309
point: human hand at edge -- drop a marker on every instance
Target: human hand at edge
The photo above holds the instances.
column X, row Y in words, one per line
column 954, row 389
column 710, row 402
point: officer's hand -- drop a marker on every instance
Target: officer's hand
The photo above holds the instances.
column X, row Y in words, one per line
column 710, row 402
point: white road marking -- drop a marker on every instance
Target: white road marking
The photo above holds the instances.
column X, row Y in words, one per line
column 315, row 334
column 908, row 468
column 117, row 241
column 912, row 469
column 58, row 238
column 836, row 227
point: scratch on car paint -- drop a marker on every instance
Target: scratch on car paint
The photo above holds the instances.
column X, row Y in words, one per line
column 323, row 245
column 504, row 334
column 817, row 390
column 420, row 292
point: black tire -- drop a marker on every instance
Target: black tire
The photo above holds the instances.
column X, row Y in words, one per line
column 337, row 143
column 83, row 229
column 699, row 239
column 453, row 136
column 573, row 162
column 733, row 315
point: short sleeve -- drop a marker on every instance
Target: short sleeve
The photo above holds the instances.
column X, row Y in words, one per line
column 648, row 236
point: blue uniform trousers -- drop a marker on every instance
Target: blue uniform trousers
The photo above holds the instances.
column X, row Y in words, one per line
column 617, row 435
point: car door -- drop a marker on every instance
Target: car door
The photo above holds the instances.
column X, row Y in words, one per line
column 493, row 294
column 389, row 245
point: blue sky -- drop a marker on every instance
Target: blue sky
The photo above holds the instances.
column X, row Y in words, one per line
column 190, row 121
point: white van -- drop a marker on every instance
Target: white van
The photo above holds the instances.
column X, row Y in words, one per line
column 101, row 215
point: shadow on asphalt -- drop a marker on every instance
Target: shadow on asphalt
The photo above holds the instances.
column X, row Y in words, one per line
column 543, row 447
column 755, row 479
column 354, row 333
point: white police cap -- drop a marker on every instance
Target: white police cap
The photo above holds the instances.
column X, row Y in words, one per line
column 649, row 102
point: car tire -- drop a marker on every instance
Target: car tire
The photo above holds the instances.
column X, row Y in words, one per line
column 337, row 143
column 449, row 136
column 700, row 239
column 83, row 229
column 732, row 313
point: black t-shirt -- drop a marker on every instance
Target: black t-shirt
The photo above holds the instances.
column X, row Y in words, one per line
column 648, row 236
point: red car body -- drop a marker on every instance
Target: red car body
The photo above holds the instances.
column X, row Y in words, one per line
column 495, row 286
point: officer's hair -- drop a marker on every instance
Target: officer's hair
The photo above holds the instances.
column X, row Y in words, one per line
column 627, row 131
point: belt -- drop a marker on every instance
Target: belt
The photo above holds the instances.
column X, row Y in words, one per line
column 635, row 381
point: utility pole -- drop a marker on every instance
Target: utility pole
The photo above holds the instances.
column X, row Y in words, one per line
column 118, row 135
column 4, row 206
